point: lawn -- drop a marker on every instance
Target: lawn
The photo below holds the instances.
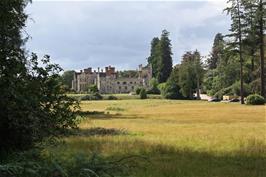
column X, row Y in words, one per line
column 180, row 138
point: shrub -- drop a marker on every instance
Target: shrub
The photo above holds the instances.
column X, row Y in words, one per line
column 255, row 99
column 111, row 97
column 93, row 88
column 154, row 87
column 35, row 107
column 95, row 96
column 138, row 90
column 234, row 89
column 143, row 94
column 170, row 90
column 162, row 86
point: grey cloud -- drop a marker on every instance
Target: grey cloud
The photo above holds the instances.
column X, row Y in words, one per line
column 82, row 34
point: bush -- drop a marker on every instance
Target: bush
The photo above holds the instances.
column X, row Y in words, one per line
column 143, row 94
column 138, row 90
column 162, row 86
column 111, row 97
column 35, row 107
column 234, row 89
column 154, row 90
column 170, row 90
column 154, row 87
column 255, row 99
column 93, row 88
column 95, row 96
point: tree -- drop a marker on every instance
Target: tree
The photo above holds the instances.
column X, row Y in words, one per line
column 67, row 78
column 161, row 57
column 165, row 60
column 255, row 19
column 33, row 104
column 143, row 94
column 153, row 87
column 199, row 72
column 261, row 17
column 152, row 60
column 217, row 50
column 190, row 74
column 236, row 12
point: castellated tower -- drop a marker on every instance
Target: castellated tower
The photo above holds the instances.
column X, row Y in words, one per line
column 108, row 81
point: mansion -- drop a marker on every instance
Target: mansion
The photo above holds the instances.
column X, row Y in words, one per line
column 108, row 81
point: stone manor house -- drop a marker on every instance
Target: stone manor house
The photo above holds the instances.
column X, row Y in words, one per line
column 109, row 81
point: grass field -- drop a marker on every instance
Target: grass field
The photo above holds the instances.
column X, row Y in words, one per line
column 180, row 138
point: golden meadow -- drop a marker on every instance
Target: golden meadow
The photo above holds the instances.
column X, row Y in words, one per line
column 179, row 138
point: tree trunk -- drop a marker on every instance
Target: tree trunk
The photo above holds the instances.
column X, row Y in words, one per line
column 198, row 88
column 262, row 75
column 240, row 53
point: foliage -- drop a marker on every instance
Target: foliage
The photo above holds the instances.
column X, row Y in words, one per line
column 138, row 90
column 112, row 97
column 190, row 74
column 171, row 90
column 154, row 87
column 33, row 164
column 67, row 78
column 234, row 89
column 217, row 51
column 162, row 86
column 255, row 99
column 165, row 62
column 152, row 60
column 143, row 94
column 41, row 107
column 33, row 104
column 161, row 57
column 94, row 96
column 93, row 88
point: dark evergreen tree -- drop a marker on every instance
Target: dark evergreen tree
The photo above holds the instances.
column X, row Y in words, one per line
column 217, row 50
column 153, row 59
column 165, row 62
column 237, row 33
column 262, row 26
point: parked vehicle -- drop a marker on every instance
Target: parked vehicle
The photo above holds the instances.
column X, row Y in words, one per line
column 234, row 100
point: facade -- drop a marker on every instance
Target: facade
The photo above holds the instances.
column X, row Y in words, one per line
column 108, row 81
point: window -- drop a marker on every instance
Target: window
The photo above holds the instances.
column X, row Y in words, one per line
column 132, row 87
column 125, row 87
column 131, row 82
column 119, row 87
column 124, row 83
column 118, row 82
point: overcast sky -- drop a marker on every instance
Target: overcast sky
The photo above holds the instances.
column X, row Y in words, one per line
column 81, row 34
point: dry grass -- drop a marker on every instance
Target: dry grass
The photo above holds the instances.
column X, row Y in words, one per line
column 181, row 138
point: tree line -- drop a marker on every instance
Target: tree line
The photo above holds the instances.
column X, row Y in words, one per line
column 235, row 65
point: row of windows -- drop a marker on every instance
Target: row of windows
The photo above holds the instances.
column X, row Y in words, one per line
column 120, row 87
column 124, row 83
column 132, row 87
